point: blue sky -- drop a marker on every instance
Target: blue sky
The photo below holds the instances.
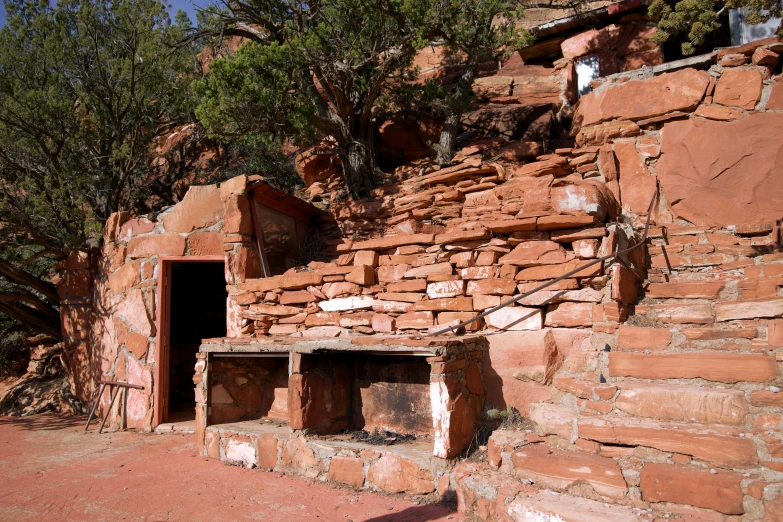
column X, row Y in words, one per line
column 189, row 6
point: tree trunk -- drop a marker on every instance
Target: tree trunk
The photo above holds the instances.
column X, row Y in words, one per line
column 448, row 138
column 457, row 105
column 358, row 169
column 19, row 276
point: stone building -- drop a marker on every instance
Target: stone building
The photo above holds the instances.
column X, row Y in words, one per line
column 650, row 384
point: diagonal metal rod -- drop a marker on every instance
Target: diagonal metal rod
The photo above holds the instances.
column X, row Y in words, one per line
column 108, row 411
column 94, row 406
column 615, row 255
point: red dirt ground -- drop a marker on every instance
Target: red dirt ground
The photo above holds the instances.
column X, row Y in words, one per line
column 50, row 469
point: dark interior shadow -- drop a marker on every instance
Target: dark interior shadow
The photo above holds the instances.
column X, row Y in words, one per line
column 537, row 125
column 255, row 397
column 197, row 311
column 396, row 389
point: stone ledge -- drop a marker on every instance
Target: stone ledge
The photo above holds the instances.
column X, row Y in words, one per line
column 433, row 346
column 404, row 468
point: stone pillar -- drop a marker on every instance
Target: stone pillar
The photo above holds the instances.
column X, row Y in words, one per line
column 75, row 288
column 457, row 398
column 242, row 256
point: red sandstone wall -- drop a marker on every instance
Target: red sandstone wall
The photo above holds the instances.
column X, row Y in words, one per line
column 673, row 381
column 75, row 288
column 677, row 408
column 112, row 325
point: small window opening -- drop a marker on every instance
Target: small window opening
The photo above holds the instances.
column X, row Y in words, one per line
column 588, row 68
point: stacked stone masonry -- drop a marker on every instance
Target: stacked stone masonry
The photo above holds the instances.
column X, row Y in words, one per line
column 673, row 412
column 652, row 386
column 325, row 387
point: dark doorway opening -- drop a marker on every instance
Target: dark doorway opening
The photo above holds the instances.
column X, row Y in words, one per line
column 197, row 310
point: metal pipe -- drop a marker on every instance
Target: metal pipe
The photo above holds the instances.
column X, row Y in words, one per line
column 614, row 255
column 249, row 354
column 108, row 411
column 122, row 384
column 124, row 406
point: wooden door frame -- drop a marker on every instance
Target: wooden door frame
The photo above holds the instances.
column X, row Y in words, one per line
column 162, row 325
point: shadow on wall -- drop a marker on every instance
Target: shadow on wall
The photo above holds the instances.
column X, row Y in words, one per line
column 493, row 383
column 518, row 368
column 391, row 392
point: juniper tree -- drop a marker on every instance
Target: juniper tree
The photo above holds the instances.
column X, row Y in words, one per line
column 476, row 31
column 85, row 88
column 698, row 18
column 313, row 67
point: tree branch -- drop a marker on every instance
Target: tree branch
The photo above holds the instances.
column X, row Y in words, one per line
column 21, row 277
column 33, row 318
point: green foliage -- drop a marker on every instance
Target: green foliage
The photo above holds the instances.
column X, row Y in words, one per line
column 12, row 349
column 508, row 418
column 332, row 67
column 474, row 32
column 483, row 27
column 313, row 68
column 412, row 96
column 85, row 88
column 252, row 93
column 260, row 154
column 247, row 102
column 496, row 414
column 698, row 18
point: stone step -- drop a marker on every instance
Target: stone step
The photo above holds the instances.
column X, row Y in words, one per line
column 640, row 338
column 687, row 403
column 402, row 468
column 692, row 486
column 488, row 496
column 717, row 445
column 665, row 402
column 537, row 482
column 561, row 470
column 547, row 506
column 482, row 492
column 526, row 478
column 671, row 402
column 717, row 366
column 180, row 428
column 502, row 442
column 659, row 339
column 679, row 314
column 715, row 440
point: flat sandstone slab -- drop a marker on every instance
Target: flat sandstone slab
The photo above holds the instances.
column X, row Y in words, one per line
column 545, row 506
column 710, row 366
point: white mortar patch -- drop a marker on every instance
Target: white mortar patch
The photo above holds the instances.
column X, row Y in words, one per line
column 242, row 452
column 441, row 417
